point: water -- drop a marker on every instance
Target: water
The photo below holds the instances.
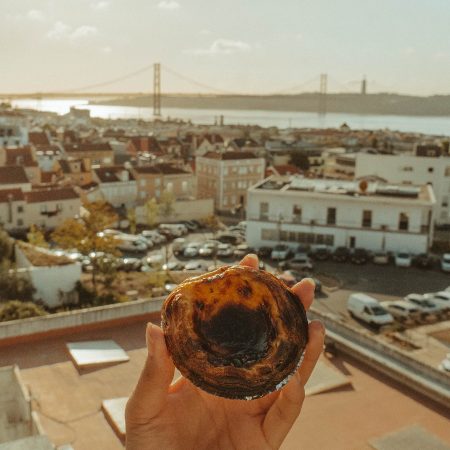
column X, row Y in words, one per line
column 422, row 124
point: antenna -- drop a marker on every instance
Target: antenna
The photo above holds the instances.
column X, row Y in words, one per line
column 323, row 93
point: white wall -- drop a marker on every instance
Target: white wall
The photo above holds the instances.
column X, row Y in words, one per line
column 410, row 169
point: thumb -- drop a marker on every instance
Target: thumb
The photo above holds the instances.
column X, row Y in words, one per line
column 150, row 393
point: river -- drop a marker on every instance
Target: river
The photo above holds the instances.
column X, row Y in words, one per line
column 434, row 125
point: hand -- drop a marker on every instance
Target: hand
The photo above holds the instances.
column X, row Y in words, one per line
column 164, row 416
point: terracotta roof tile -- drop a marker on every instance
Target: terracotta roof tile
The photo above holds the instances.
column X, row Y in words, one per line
column 52, row 194
column 13, row 175
column 14, row 195
column 226, row 156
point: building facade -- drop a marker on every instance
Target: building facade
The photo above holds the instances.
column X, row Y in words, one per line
column 226, row 176
column 374, row 216
column 412, row 170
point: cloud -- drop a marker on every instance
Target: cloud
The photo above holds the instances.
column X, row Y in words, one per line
column 168, row 4
column 62, row 31
column 59, row 31
column 222, row 47
column 83, row 32
column 100, row 5
column 35, row 15
column 106, row 49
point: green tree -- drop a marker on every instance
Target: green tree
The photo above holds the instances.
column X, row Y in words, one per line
column 166, row 202
column 6, row 245
column 15, row 309
column 131, row 216
column 152, row 212
column 85, row 234
column 14, row 285
column 300, row 160
column 36, row 237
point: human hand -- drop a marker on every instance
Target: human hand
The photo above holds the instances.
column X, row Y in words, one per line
column 164, row 416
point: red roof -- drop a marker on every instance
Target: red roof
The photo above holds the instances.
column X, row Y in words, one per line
column 13, row 175
column 38, row 138
column 21, row 156
column 283, row 169
column 225, row 156
column 51, row 194
column 14, row 195
column 89, row 147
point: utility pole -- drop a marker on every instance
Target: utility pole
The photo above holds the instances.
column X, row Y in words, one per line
column 157, row 89
column 323, row 94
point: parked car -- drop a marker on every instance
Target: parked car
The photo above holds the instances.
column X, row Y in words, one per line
column 169, row 287
column 178, row 246
column 229, row 238
column 241, row 250
column 423, row 261
column 402, row 310
column 424, row 305
column 445, row 262
column 176, row 229
column 173, row 265
column 280, row 252
column 191, row 250
column 154, row 236
column 154, row 261
column 320, row 252
column 367, row 309
column 130, row 264
column 441, row 298
column 403, row 259
column 300, row 262
column 194, row 265
column 190, row 225
column 381, row 258
column 131, row 243
column 208, row 249
column 224, row 250
column 291, row 277
column 264, row 252
column 359, row 256
column 341, row 254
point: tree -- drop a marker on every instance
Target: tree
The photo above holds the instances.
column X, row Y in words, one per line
column 36, row 237
column 152, row 212
column 14, row 285
column 85, row 235
column 300, row 160
column 14, row 310
column 6, row 245
column 166, row 202
column 131, row 216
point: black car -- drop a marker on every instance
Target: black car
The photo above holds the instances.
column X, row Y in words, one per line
column 265, row 252
column 320, row 253
column 359, row 256
column 341, row 254
column 423, row 261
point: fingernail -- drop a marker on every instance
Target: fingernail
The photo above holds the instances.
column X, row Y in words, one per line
column 149, row 339
column 253, row 256
column 322, row 328
column 310, row 281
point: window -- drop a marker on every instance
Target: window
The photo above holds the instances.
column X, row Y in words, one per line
column 143, row 194
column 269, row 235
column 158, row 182
column 403, row 222
column 264, row 210
column 19, row 222
column 430, row 169
column 296, row 214
column 184, row 186
column 43, row 208
column 407, row 169
column 20, row 209
column 143, row 183
column 225, row 171
column 367, row 219
column 331, row 216
column 243, row 170
column 447, row 171
column 169, row 186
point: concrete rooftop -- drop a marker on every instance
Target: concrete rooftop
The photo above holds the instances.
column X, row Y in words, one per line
column 69, row 401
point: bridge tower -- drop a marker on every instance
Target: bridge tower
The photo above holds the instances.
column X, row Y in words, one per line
column 157, row 89
column 323, row 93
column 364, row 86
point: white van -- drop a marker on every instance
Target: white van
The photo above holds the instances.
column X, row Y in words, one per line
column 367, row 309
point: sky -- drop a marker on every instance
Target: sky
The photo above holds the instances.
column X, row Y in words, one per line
column 245, row 46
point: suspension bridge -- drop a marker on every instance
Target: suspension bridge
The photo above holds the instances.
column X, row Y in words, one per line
column 319, row 84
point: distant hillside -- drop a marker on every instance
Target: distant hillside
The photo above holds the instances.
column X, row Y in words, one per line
column 438, row 105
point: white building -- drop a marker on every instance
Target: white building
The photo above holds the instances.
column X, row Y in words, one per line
column 374, row 216
column 412, row 170
column 13, row 129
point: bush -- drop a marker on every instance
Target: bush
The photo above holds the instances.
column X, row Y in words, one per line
column 15, row 286
column 14, row 310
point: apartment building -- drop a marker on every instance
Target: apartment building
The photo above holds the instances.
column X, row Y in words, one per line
column 74, row 171
column 153, row 180
column 98, row 153
column 13, row 129
column 415, row 170
column 46, row 208
column 117, row 185
column 375, row 216
column 226, row 176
